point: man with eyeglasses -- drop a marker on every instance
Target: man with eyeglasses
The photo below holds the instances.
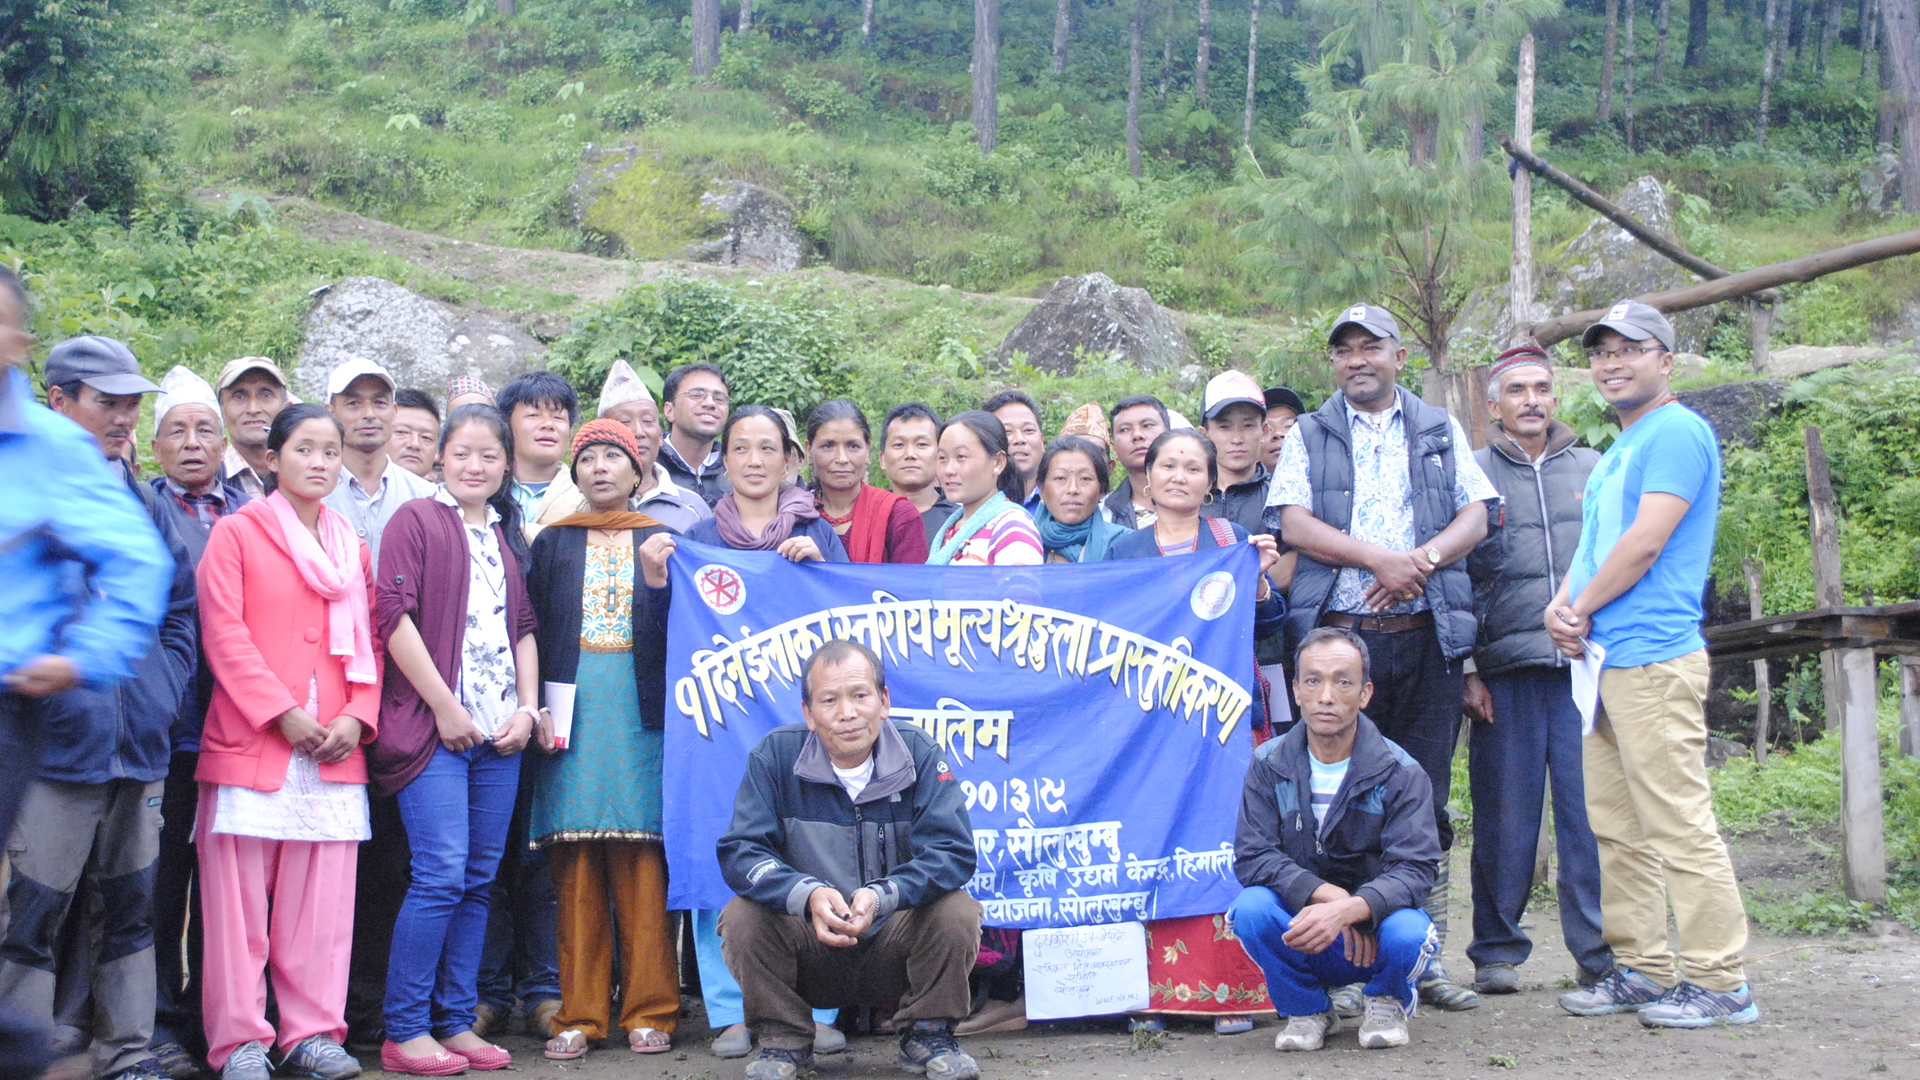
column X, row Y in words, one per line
column 1377, row 492
column 696, row 400
column 1634, row 593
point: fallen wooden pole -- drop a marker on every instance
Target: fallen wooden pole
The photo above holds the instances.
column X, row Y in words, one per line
column 1610, row 210
column 1745, row 283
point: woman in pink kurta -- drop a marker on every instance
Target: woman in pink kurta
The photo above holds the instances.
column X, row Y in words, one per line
column 285, row 601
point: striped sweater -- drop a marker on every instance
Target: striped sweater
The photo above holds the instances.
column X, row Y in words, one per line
column 1006, row 539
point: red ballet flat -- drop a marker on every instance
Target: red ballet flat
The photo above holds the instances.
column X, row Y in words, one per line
column 444, row 1063
column 485, row 1058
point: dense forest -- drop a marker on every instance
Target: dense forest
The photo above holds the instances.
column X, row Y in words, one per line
column 1252, row 165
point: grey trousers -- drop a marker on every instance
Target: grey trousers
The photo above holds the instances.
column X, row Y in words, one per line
column 108, row 834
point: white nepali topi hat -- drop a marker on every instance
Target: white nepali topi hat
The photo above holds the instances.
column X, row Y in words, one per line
column 183, row 387
column 622, row 386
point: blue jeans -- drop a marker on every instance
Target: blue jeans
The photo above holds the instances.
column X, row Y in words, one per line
column 1297, row 982
column 1535, row 735
column 522, row 957
column 720, row 992
column 456, row 812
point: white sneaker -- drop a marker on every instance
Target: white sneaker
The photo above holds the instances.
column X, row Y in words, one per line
column 1305, row 1032
column 1384, row 1025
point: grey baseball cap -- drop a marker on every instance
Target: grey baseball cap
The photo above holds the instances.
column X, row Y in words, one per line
column 1634, row 321
column 1372, row 319
column 102, row 363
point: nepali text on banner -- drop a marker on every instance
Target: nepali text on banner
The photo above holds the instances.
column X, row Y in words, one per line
column 1097, row 716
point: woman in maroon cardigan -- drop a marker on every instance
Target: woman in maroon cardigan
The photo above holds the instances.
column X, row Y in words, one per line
column 458, row 705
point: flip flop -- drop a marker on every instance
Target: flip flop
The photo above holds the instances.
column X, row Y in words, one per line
column 1232, row 1025
column 640, row 1041
column 567, row 1045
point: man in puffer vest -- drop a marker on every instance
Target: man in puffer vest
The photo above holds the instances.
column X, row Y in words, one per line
column 1526, row 728
column 1377, row 493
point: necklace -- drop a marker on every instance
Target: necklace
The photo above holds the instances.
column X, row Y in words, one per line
column 836, row 522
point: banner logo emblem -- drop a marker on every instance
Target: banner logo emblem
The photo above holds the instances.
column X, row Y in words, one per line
column 721, row 588
column 1212, row 595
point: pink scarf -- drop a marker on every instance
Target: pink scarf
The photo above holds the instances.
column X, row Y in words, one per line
column 331, row 568
column 794, row 510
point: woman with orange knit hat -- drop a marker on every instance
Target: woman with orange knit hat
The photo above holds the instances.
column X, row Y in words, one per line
column 595, row 804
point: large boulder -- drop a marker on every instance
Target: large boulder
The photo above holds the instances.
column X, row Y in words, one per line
column 1605, row 263
column 1091, row 316
column 1735, row 409
column 752, row 227
column 1601, row 265
column 1797, row 360
column 422, row 342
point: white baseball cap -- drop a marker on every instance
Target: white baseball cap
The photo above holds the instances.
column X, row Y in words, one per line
column 342, row 376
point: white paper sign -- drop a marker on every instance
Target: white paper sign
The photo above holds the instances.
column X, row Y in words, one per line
column 559, row 697
column 1085, row 970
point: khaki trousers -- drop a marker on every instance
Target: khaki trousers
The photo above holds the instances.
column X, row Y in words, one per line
column 920, row 957
column 1652, row 812
column 613, row 895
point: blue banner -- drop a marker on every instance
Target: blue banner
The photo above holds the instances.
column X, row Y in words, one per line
column 1097, row 716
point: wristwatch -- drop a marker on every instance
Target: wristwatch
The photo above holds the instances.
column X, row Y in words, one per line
column 1433, row 557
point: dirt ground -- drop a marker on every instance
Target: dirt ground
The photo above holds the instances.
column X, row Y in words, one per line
column 1838, row 1006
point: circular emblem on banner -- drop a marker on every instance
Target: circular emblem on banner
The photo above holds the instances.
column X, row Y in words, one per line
column 1212, row 596
column 723, row 590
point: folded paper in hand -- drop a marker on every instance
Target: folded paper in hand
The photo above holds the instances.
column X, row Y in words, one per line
column 1586, row 683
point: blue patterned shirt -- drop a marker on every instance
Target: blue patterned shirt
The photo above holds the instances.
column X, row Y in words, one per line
column 1382, row 496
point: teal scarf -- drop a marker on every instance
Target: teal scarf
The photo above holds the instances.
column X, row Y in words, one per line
column 1085, row 542
column 996, row 503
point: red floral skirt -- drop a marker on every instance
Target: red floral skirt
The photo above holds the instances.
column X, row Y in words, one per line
column 1196, row 966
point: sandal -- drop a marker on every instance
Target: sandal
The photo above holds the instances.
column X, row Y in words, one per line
column 567, row 1045
column 643, row 1041
column 1232, row 1025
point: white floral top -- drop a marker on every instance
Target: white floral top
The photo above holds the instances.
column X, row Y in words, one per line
column 305, row 808
column 1382, row 495
column 489, row 685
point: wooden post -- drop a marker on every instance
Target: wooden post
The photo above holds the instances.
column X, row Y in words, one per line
column 1520, row 277
column 1762, row 680
column 1910, row 706
column 1826, row 564
column 1760, row 331
column 1862, row 829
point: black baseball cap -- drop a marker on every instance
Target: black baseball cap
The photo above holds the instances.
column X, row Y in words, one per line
column 1279, row 397
column 101, row 362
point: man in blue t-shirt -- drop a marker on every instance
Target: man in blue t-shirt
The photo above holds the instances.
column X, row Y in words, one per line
column 1635, row 592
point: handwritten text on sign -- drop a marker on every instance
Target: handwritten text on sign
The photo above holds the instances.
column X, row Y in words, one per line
column 1085, row 970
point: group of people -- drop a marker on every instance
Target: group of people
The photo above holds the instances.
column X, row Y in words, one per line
column 347, row 728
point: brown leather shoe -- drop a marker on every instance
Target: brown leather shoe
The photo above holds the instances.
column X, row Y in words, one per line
column 540, row 1019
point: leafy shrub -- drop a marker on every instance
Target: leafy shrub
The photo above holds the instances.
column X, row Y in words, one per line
column 536, row 87
column 777, row 347
column 996, row 260
column 484, row 120
column 823, row 100
column 634, row 107
column 653, row 211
